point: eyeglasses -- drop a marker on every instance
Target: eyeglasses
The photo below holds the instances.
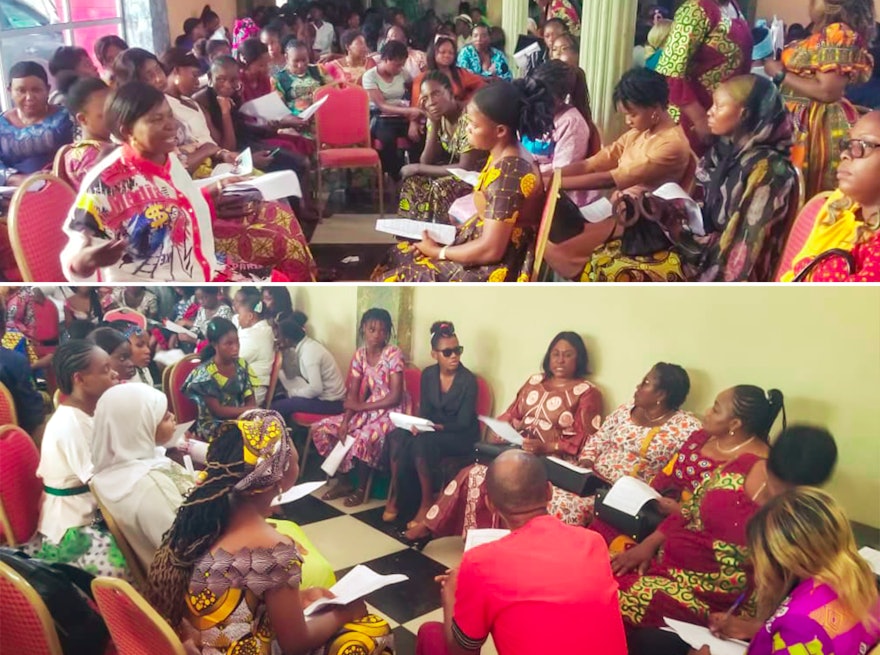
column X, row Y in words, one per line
column 449, row 352
column 858, row 148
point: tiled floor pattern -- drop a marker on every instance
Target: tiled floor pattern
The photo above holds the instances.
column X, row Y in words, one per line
column 350, row 536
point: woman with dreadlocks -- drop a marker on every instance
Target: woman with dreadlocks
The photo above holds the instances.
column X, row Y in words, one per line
column 225, row 572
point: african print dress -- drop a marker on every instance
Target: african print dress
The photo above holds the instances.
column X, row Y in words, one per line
column 30, row 148
column 567, row 12
column 426, row 198
column 469, row 59
column 207, row 382
column 622, row 448
column 298, row 91
column 704, row 49
column 368, row 427
column 819, row 126
column 226, row 604
column 509, row 191
column 704, row 567
column 568, row 416
column 81, row 157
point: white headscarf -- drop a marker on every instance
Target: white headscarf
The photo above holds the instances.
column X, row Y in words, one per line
column 124, row 438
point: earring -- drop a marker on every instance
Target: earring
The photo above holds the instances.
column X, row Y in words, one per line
column 657, row 403
column 730, row 433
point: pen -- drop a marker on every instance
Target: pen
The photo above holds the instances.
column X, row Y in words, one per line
column 736, row 604
column 274, row 152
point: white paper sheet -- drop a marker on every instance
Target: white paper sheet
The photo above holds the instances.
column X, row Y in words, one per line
column 672, row 191
column 188, row 465
column 503, row 429
column 479, row 536
column 471, row 177
column 597, row 211
column 568, row 465
column 313, row 108
column 354, row 585
column 334, row 459
column 269, row 107
column 872, row 556
column 272, row 186
column 179, row 329
column 697, row 636
column 297, row 492
column 410, row 229
column 628, row 495
column 521, row 57
column 407, row 422
column 463, row 209
column 7, row 190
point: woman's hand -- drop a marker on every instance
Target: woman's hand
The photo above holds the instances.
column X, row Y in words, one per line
column 733, row 627
column 352, row 612
column 428, row 247
column 352, row 405
column 669, row 506
column 773, row 67
column 636, row 558
column 410, row 169
column 216, row 189
column 413, row 113
column 310, row 595
column 93, row 257
column 291, row 121
column 415, row 131
column 262, row 159
column 226, row 105
column 534, row 446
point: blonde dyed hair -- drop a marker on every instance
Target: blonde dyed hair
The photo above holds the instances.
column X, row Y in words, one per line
column 658, row 35
column 802, row 534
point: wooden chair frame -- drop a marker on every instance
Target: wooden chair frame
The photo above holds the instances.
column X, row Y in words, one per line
column 135, row 567
column 546, row 223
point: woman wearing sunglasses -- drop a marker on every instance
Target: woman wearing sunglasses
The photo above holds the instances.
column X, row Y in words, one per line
column 449, row 400
column 844, row 245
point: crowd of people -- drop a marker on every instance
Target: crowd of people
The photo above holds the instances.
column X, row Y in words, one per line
column 740, row 522
column 747, row 135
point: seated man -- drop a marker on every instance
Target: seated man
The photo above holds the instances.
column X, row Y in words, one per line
column 17, row 376
column 545, row 588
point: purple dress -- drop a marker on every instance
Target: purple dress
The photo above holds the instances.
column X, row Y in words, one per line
column 811, row 620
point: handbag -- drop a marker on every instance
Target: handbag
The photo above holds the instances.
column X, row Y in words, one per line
column 568, row 222
column 828, row 254
column 239, row 203
column 486, row 452
column 643, row 218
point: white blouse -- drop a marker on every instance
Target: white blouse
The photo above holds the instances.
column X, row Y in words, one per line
column 257, row 348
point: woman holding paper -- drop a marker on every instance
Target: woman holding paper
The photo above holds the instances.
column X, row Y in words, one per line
column 555, row 412
column 222, row 528
column 449, row 401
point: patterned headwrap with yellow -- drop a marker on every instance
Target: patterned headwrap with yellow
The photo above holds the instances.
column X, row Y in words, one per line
column 266, row 448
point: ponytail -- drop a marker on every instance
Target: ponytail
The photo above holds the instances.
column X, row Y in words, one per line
column 525, row 106
column 758, row 409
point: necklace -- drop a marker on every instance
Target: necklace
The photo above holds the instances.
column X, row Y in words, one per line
column 734, row 449
column 659, row 420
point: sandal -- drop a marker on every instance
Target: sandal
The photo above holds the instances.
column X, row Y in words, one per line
column 356, row 498
column 336, row 491
column 389, row 517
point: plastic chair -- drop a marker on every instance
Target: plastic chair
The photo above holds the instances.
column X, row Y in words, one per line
column 342, row 132
column 135, row 627
column 184, row 408
column 135, row 567
column 36, row 219
column 21, row 491
column 127, row 315
column 273, row 377
column 546, row 223
column 799, row 233
column 25, row 622
column 7, row 407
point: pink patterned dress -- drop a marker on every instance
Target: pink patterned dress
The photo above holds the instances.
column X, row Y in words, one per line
column 368, row 427
column 621, row 448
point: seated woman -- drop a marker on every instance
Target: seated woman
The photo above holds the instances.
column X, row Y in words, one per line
column 844, row 244
column 429, row 189
column 223, row 386
column 117, row 346
column 318, row 386
column 374, row 390
column 556, row 412
column 107, row 49
column 276, row 301
column 449, row 400
column 738, row 422
column 69, row 62
column 569, row 142
column 256, row 339
column 298, row 81
column 481, row 58
column 416, row 63
column 704, row 566
column 33, row 130
column 386, row 85
column 272, row 36
column 653, row 152
column 565, row 49
column 350, row 68
column 496, row 244
column 223, row 520
column 441, row 57
column 69, row 531
column 85, row 100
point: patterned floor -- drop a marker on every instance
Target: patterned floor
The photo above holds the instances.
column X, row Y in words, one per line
column 350, row 536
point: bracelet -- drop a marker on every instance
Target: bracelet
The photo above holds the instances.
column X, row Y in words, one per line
column 442, row 255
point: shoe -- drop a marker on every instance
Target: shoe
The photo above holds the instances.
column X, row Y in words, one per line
column 389, row 517
column 418, row 544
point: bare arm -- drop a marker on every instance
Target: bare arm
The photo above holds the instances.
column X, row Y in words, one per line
column 378, row 99
column 391, row 400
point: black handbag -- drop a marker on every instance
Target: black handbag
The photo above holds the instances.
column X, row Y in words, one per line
column 642, row 218
column 580, row 483
column 568, row 222
column 828, row 254
column 486, row 452
column 636, row 527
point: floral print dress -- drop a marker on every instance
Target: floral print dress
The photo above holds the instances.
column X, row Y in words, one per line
column 207, row 382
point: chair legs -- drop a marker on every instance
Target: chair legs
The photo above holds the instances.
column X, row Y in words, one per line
column 305, row 453
column 381, row 175
column 318, row 193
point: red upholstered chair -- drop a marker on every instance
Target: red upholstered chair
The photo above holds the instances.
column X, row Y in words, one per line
column 412, row 384
column 342, row 132
column 8, row 414
column 128, row 315
column 21, row 491
column 135, row 627
column 25, row 622
column 800, row 232
column 182, row 406
column 36, row 219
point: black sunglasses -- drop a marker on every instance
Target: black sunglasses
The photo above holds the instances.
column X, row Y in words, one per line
column 449, row 352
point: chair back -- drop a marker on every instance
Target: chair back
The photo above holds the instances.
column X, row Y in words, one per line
column 546, row 223
column 273, row 377
column 344, row 119
column 36, row 220
column 799, row 232
column 25, row 622
column 21, row 491
column 183, row 406
column 135, row 627
column 127, row 315
column 7, row 407
column 412, row 384
column 132, row 561
column 58, row 168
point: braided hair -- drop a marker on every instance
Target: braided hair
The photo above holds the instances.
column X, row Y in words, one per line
column 69, row 359
column 757, row 410
column 376, row 314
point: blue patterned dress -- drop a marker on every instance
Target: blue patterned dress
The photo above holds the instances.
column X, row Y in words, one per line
column 469, row 59
column 31, row 148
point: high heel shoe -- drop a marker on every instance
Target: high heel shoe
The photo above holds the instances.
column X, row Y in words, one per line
column 418, row 543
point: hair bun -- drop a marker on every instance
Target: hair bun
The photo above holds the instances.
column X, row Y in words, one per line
column 776, row 404
column 443, row 328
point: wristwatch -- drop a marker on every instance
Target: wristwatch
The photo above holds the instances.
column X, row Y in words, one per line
column 442, row 254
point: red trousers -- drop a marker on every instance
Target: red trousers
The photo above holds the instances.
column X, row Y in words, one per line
column 431, row 639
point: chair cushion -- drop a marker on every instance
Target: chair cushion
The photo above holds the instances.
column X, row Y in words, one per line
column 348, row 157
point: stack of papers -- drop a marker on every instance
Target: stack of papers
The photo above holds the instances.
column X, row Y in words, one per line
column 872, row 556
column 357, row 583
column 414, row 230
column 312, row 109
column 269, row 107
column 503, row 429
column 478, row 537
column 272, row 186
column 408, row 423
column 179, row 329
column 629, row 494
column 597, row 211
column 696, row 636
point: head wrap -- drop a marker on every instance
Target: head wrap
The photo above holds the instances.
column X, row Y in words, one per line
column 244, row 28
column 266, row 450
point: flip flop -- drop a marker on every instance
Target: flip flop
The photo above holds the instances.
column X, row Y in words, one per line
column 355, row 499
